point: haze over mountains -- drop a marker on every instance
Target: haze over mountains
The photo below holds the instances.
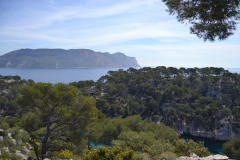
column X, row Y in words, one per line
column 61, row 58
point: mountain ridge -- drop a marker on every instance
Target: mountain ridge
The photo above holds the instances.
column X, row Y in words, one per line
column 61, row 58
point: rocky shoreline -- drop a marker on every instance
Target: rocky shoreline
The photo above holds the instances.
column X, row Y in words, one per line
column 223, row 133
column 193, row 156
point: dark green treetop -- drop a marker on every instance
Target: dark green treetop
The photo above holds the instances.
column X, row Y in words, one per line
column 210, row 19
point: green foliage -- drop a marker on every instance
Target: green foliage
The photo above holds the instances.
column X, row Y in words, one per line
column 132, row 133
column 65, row 154
column 13, row 121
column 59, row 115
column 7, row 77
column 167, row 156
column 141, row 156
column 211, row 19
column 156, row 118
column 232, row 148
column 135, row 141
column 113, row 153
column 4, row 125
column 130, row 95
column 159, row 147
column 7, row 156
column 16, row 77
column 184, row 148
column 3, row 85
column 191, row 96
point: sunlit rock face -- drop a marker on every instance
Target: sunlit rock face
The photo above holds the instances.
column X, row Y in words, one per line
column 193, row 156
column 224, row 131
column 60, row 58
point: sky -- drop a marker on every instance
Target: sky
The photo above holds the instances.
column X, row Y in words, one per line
column 137, row 28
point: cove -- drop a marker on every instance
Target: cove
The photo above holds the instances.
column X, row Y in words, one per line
column 214, row 146
column 100, row 144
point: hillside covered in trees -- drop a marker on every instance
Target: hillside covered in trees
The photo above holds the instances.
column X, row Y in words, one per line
column 42, row 120
column 200, row 101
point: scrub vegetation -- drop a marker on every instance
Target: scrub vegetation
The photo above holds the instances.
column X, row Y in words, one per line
column 128, row 111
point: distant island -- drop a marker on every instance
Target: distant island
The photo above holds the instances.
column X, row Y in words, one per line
column 61, row 58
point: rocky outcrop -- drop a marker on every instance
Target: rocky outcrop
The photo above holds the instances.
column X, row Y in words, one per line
column 224, row 131
column 15, row 143
column 60, row 58
column 18, row 153
column 212, row 157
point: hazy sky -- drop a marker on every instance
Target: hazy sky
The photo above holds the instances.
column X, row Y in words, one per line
column 138, row 28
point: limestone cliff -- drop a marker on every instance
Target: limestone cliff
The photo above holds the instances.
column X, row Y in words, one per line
column 225, row 131
column 60, row 58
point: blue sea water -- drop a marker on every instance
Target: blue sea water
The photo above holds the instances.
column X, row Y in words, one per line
column 56, row 75
column 67, row 75
column 100, row 144
column 214, row 146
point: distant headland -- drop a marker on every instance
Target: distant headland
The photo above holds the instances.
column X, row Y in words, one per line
column 61, row 58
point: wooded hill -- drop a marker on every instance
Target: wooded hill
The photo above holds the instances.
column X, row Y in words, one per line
column 205, row 100
column 42, row 120
column 200, row 101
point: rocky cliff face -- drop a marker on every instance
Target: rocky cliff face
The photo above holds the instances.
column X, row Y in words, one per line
column 225, row 131
column 193, row 156
column 60, row 58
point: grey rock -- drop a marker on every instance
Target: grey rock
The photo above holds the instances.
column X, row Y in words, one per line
column 18, row 153
column 6, row 149
column 223, row 132
column 25, row 149
column 193, row 156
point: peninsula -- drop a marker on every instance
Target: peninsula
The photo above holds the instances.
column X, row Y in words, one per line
column 61, row 58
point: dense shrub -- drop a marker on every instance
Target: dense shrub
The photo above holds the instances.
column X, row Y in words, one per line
column 65, row 154
column 160, row 147
column 113, row 153
column 141, row 156
column 167, row 156
column 232, row 148
column 184, row 148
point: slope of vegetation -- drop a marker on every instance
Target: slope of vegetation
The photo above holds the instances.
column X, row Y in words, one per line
column 205, row 99
column 56, row 121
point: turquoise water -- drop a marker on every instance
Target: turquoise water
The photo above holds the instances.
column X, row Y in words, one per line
column 100, row 144
column 213, row 146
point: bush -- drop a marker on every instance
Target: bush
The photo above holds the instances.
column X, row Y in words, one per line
column 184, row 148
column 7, row 156
column 7, row 141
column 4, row 126
column 65, row 154
column 232, row 148
column 24, row 136
column 167, row 156
column 112, row 153
column 15, row 157
column 4, row 154
column 1, row 144
column 141, row 156
column 160, row 147
column 32, row 155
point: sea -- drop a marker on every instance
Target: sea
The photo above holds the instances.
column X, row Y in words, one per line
column 214, row 146
column 67, row 75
